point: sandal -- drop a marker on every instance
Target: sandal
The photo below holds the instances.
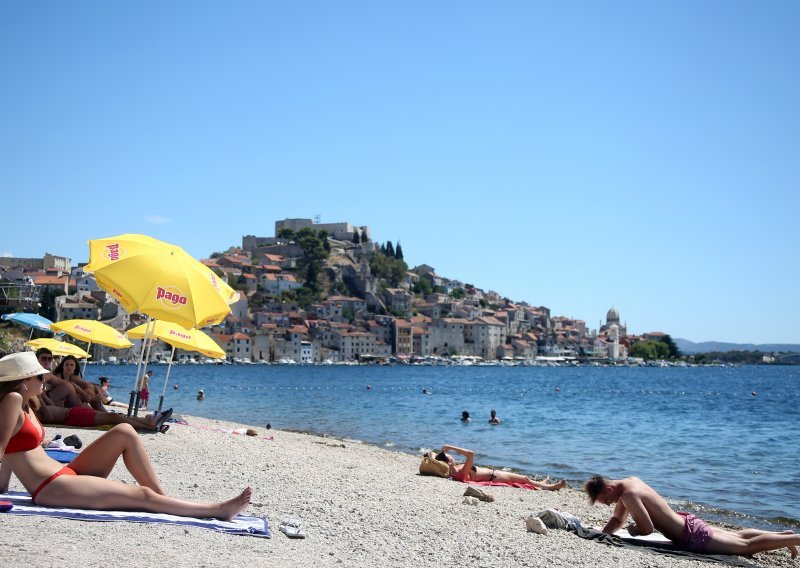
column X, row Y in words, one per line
column 162, row 418
column 292, row 528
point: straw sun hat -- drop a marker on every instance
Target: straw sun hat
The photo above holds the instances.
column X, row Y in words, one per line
column 19, row 366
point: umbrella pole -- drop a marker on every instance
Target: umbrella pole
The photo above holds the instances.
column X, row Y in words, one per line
column 86, row 360
column 166, row 379
column 151, row 333
column 134, row 401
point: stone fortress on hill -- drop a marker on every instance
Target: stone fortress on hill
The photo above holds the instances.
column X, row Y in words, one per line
column 365, row 304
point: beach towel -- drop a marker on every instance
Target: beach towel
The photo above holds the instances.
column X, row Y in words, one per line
column 240, row 525
column 61, row 455
column 502, row 484
column 657, row 544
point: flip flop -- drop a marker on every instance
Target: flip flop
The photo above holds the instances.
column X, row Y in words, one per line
column 166, row 415
column 164, row 428
column 292, row 528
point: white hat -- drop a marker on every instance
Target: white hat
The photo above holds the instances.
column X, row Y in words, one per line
column 19, row 366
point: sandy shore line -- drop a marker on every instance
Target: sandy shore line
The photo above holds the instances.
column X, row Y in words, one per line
column 360, row 505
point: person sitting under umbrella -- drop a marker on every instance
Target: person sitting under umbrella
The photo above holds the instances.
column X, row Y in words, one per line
column 58, row 391
column 84, row 483
column 70, row 370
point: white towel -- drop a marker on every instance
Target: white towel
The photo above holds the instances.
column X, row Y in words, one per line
column 242, row 525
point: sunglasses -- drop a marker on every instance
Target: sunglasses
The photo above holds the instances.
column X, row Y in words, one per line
column 41, row 378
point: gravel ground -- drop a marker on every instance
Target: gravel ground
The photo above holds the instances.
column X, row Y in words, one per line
column 360, row 506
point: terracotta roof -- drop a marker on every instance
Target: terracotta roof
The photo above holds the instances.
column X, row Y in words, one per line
column 240, row 336
column 50, row 280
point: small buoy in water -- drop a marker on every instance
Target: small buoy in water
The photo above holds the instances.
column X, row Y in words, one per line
column 754, row 393
column 558, row 389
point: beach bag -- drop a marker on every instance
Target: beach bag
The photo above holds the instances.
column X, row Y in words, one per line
column 431, row 466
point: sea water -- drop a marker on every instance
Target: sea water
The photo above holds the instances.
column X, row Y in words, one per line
column 719, row 440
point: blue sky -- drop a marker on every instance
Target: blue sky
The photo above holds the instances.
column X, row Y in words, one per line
column 575, row 155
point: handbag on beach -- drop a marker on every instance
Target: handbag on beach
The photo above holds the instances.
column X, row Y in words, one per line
column 431, row 466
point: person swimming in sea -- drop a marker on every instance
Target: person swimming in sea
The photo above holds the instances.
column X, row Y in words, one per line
column 465, row 417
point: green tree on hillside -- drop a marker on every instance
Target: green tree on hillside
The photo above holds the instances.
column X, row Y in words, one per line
column 356, row 238
column 423, row 286
column 387, row 267
column 314, row 255
column 398, row 251
column 285, row 233
column 389, row 249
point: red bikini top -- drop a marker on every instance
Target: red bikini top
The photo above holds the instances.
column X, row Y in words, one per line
column 26, row 439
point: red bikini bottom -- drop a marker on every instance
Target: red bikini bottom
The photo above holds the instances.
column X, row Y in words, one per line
column 66, row 470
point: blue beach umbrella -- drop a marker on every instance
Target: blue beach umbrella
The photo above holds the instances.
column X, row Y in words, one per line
column 33, row 321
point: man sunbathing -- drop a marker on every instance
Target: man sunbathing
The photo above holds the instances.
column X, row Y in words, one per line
column 686, row 531
column 84, row 417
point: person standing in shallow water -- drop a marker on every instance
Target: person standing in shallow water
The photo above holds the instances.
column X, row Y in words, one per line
column 494, row 420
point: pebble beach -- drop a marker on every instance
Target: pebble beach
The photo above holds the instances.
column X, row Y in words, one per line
column 360, row 505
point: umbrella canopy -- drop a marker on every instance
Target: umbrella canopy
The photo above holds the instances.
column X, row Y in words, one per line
column 93, row 331
column 106, row 251
column 166, row 286
column 58, row 347
column 175, row 335
column 34, row 321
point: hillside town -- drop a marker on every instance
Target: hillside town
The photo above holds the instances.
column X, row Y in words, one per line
column 327, row 293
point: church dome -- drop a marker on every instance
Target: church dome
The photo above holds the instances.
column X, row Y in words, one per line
column 612, row 315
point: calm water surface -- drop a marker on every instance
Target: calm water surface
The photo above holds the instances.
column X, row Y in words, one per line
column 698, row 435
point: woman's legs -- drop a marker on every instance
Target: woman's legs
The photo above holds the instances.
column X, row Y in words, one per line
column 65, row 393
column 509, row 477
column 89, row 492
column 99, row 457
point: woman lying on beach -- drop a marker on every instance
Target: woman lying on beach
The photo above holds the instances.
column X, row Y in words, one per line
column 468, row 471
column 83, row 484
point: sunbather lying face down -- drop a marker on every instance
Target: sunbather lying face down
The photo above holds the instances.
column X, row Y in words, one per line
column 650, row 512
column 83, row 484
column 468, row 471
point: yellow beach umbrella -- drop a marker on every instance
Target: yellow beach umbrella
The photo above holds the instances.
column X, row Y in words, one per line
column 92, row 331
column 165, row 286
column 160, row 280
column 109, row 250
column 58, row 347
column 177, row 337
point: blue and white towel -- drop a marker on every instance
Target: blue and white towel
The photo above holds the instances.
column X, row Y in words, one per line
column 241, row 525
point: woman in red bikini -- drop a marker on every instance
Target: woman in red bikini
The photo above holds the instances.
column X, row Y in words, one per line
column 83, row 484
column 468, row 471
